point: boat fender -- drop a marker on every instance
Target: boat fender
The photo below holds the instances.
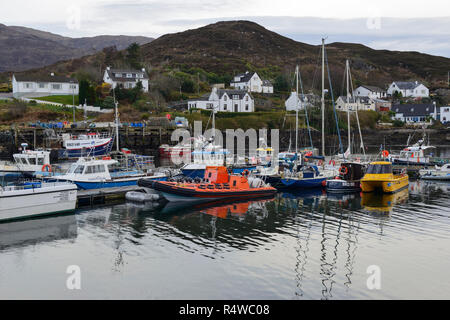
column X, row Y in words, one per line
column 332, row 162
column 320, row 162
column 46, row 168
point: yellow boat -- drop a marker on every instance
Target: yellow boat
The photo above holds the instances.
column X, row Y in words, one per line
column 379, row 176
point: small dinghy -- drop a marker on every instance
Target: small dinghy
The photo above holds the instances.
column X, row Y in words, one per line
column 217, row 183
column 142, row 196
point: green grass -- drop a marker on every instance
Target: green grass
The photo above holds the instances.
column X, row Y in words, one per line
column 64, row 99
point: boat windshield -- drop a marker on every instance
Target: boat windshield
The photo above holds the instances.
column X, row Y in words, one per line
column 379, row 168
column 74, row 168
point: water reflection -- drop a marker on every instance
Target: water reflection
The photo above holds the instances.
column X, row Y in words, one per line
column 22, row 233
column 295, row 245
column 383, row 203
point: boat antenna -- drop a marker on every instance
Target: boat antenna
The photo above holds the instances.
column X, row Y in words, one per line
column 306, row 110
column 334, row 106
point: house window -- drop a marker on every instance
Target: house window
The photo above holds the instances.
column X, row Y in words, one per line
column 56, row 86
column 28, row 85
column 225, row 106
column 41, row 85
column 134, row 75
column 118, row 75
column 224, row 98
column 246, row 107
column 236, row 97
column 128, row 75
column 73, row 86
column 246, row 98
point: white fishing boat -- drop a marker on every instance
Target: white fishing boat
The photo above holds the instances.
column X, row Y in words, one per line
column 27, row 162
column 417, row 154
column 31, row 199
column 92, row 173
column 438, row 173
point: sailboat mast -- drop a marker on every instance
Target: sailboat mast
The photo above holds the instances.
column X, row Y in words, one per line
column 347, row 75
column 296, row 112
column 323, row 97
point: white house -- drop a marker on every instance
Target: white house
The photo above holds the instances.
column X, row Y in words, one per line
column 225, row 100
column 294, row 102
column 359, row 103
column 414, row 113
column 33, row 86
column 445, row 114
column 126, row 78
column 250, row 81
column 412, row 89
column 370, row 92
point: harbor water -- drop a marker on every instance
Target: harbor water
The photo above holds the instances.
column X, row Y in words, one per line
column 307, row 245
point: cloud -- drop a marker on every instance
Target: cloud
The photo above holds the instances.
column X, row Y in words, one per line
column 381, row 25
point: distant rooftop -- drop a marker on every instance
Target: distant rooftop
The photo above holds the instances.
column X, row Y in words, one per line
column 43, row 78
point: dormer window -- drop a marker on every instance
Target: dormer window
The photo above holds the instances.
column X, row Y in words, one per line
column 118, row 75
column 128, row 75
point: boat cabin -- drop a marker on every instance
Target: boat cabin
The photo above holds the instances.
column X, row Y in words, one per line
column 351, row 171
column 92, row 169
column 379, row 167
column 220, row 175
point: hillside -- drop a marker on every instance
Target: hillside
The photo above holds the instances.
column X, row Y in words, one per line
column 235, row 46
column 24, row 48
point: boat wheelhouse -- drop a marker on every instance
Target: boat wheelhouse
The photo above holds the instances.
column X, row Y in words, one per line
column 27, row 162
column 348, row 180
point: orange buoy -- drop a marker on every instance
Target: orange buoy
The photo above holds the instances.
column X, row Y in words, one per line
column 385, row 153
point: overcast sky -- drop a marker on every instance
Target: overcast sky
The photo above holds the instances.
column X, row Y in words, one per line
column 409, row 25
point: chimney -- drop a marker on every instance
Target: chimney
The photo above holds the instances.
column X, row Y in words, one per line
column 52, row 74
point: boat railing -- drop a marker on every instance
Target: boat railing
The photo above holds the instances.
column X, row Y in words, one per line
column 135, row 162
column 31, row 184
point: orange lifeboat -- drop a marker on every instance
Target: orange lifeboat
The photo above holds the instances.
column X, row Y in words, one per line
column 216, row 184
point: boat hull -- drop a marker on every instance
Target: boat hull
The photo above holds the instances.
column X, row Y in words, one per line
column 385, row 185
column 200, row 173
column 179, row 193
column 338, row 185
column 34, row 202
column 96, row 150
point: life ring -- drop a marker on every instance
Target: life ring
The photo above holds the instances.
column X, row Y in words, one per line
column 385, row 153
column 343, row 170
column 332, row 162
column 46, row 168
column 245, row 172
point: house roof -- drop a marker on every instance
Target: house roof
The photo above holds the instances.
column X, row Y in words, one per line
column 134, row 74
column 407, row 85
column 355, row 99
column 414, row 110
column 244, row 77
column 373, row 88
column 43, row 78
column 231, row 92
